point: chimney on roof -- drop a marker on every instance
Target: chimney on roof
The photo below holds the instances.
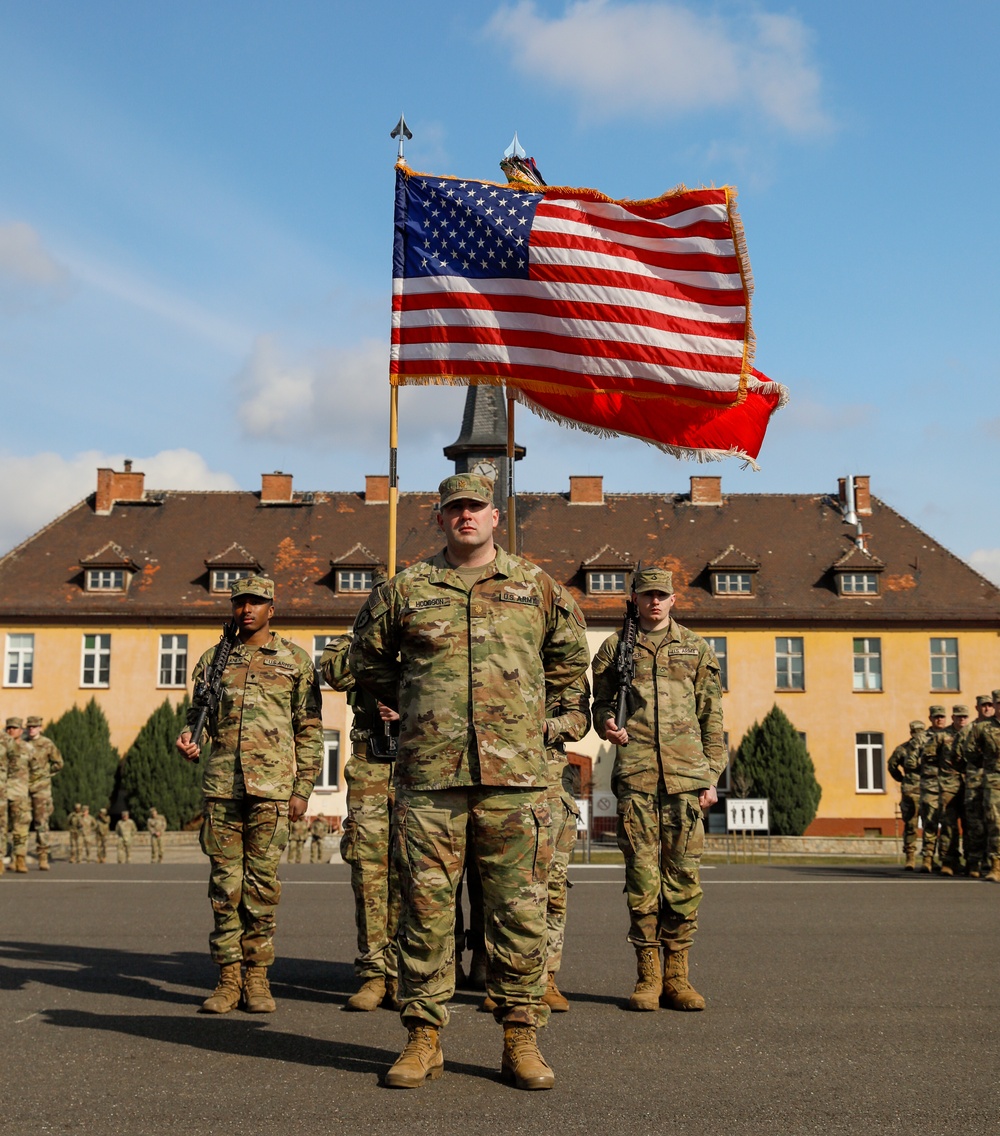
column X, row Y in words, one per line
column 113, row 486
column 376, row 488
column 275, row 487
column 706, row 490
column 586, row 490
column 862, row 495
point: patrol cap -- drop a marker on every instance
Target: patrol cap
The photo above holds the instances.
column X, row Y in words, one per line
column 981, row 700
column 960, row 711
column 937, row 712
column 653, row 580
column 253, row 586
column 465, row 486
column 34, row 720
column 916, row 725
column 17, row 723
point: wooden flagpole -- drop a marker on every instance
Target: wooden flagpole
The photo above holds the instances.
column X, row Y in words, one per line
column 511, row 500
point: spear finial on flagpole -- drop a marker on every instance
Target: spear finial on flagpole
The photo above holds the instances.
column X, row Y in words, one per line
column 401, row 131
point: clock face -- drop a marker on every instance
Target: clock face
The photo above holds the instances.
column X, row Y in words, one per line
column 486, row 468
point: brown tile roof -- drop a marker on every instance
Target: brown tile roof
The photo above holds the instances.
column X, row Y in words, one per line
column 796, row 539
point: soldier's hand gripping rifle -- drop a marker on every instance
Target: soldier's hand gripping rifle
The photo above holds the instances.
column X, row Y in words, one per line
column 208, row 689
column 625, row 661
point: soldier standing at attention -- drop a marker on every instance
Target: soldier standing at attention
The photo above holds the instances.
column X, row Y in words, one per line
column 930, row 784
column 125, row 830
column 974, row 815
column 467, row 646
column 670, row 755
column 297, row 832
column 44, row 761
column 18, row 792
column 88, row 827
column 986, row 740
column 5, row 747
column 365, row 844
column 266, row 753
column 73, row 824
column 156, row 826
column 904, row 767
column 951, row 768
column 318, row 830
column 103, row 823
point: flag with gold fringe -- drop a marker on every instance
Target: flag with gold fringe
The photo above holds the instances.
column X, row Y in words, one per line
column 619, row 317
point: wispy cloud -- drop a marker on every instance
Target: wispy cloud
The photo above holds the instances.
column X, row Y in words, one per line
column 28, row 270
column 807, row 414
column 670, row 59
column 987, row 562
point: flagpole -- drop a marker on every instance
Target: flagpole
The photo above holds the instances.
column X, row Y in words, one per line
column 393, row 480
column 511, row 500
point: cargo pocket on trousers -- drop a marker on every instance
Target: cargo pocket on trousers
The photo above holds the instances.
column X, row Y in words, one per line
column 543, row 838
column 349, row 841
column 694, row 846
column 211, row 837
column 624, row 831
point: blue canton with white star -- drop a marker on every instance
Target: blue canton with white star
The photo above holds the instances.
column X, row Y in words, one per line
column 461, row 228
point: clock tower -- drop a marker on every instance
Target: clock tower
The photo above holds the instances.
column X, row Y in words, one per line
column 481, row 446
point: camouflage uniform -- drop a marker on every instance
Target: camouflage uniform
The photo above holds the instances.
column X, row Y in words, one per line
column 4, row 752
column 930, row 787
column 156, row 826
column 468, row 667
column 102, row 830
column 904, row 767
column 18, row 795
column 567, row 720
column 675, row 750
column 366, row 843
column 318, row 830
column 125, row 830
column 73, row 825
column 974, row 822
column 88, row 829
column 985, row 737
column 267, row 746
column 44, row 761
column 297, row 832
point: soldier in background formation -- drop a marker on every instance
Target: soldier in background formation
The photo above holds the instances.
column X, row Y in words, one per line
column 102, row 829
column 88, row 830
column 156, row 826
column 984, row 742
column 904, row 767
column 73, row 825
column 298, row 830
column 318, row 831
column 125, row 830
column 974, row 807
column 44, row 761
column 17, row 806
column 930, row 788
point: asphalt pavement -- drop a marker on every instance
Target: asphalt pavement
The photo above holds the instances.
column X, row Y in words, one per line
column 841, row 1000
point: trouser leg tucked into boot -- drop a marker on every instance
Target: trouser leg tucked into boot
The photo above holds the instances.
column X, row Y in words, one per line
column 648, row 983
column 993, row 875
column 369, row 997
column 522, row 1064
column 678, row 993
column 226, row 996
column 20, row 864
column 553, row 997
column 421, row 1060
column 257, row 992
column 911, row 861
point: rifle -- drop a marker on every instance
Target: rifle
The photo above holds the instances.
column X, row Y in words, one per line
column 208, row 690
column 625, row 660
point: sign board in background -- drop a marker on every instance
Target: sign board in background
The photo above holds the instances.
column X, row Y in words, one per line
column 749, row 814
column 605, row 804
column 583, row 820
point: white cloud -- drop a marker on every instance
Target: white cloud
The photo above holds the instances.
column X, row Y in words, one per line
column 27, row 269
column 986, row 561
column 35, row 489
column 654, row 58
column 807, row 414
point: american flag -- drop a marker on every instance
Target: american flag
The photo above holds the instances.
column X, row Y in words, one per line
column 621, row 317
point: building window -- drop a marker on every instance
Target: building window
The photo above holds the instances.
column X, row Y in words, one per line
column 718, row 645
column 319, row 642
column 867, row 664
column 354, row 579
column 789, row 663
column 224, row 578
column 869, row 753
column 944, row 664
column 329, row 774
column 858, row 583
column 96, row 669
column 173, row 660
column 606, row 583
column 20, row 660
column 105, row 579
column 732, row 583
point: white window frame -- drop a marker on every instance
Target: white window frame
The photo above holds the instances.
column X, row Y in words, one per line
column 100, row 650
column 329, row 771
column 606, row 583
column 784, row 652
column 722, row 656
column 20, row 657
column 732, row 583
column 222, row 579
column 941, row 655
column 869, row 762
column 319, row 643
column 177, row 653
column 858, row 583
column 355, row 580
column 870, row 676
column 106, row 579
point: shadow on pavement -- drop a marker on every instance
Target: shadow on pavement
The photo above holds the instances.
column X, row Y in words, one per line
column 861, row 871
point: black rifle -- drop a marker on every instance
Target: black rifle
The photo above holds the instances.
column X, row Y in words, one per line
column 625, row 661
column 208, row 690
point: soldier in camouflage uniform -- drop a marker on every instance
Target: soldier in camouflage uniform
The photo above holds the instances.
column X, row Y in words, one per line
column 319, row 829
column 974, row 822
column 670, row 754
column 985, row 738
column 73, row 825
column 468, row 645
column 365, row 844
column 88, row 831
column 125, row 831
column 156, row 826
column 930, row 784
column 45, row 760
column 102, row 831
column 951, row 770
column 904, row 767
column 5, row 746
column 18, row 793
column 298, row 830
column 267, row 748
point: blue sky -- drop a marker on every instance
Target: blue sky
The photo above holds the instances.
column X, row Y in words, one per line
column 196, row 226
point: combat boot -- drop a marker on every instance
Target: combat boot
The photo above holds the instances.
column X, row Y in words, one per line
column 391, row 999
column 422, row 1058
column 19, row 864
column 257, row 991
column 226, row 996
column 522, row 1065
column 947, row 870
column 911, row 861
column 993, row 875
column 43, row 861
column 369, row 997
column 648, row 983
column 678, row 993
column 3, row 866
column 553, row 998
column 487, row 1006
column 928, row 862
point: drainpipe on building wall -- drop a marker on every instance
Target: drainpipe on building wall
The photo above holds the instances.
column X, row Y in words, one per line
column 850, row 515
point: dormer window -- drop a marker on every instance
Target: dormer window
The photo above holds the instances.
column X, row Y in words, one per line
column 732, row 583
column 856, row 573
column 224, row 578
column 105, row 579
column 108, row 570
column 858, row 583
column 354, row 579
column 606, row 583
column 607, row 572
column 732, row 573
